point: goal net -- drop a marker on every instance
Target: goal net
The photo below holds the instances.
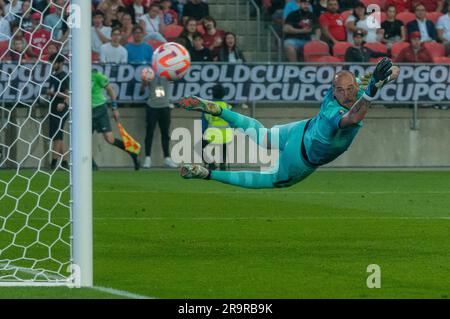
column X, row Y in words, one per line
column 37, row 160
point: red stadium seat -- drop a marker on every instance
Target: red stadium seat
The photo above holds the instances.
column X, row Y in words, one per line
column 95, row 57
column 441, row 60
column 326, row 59
column 346, row 14
column 405, row 17
column 172, row 31
column 379, row 3
column 436, row 49
column 376, row 46
column 434, row 16
column 397, row 47
column 315, row 49
column 4, row 45
column 154, row 43
column 340, row 48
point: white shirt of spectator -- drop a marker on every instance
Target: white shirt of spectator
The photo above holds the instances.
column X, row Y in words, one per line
column 5, row 29
column 110, row 54
column 371, row 35
column 13, row 12
column 138, row 11
column 151, row 25
column 424, row 36
column 443, row 23
column 96, row 42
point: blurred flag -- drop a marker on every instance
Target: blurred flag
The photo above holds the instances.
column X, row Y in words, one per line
column 131, row 145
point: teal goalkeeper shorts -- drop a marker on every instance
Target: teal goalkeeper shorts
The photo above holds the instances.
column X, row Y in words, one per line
column 292, row 166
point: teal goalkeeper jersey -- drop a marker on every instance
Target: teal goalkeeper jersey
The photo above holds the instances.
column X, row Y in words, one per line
column 324, row 140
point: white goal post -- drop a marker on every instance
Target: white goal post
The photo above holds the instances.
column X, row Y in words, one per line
column 46, row 214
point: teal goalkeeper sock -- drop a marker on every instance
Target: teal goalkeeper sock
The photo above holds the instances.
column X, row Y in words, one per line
column 247, row 179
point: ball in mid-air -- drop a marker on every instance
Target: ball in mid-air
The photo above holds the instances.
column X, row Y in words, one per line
column 171, row 61
column 147, row 74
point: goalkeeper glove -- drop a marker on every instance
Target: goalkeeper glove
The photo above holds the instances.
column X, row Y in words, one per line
column 379, row 77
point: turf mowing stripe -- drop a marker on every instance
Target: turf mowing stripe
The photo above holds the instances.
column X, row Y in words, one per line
column 273, row 192
column 275, row 218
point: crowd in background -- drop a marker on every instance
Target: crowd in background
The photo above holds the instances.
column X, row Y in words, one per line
column 416, row 22
column 122, row 30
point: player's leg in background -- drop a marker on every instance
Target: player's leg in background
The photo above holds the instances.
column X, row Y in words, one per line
column 151, row 120
column 164, row 127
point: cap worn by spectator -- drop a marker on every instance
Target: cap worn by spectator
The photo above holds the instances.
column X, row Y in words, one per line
column 36, row 16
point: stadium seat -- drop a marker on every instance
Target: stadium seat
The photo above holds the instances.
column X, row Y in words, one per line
column 346, row 14
column 379, row 3
column 326, row 59
column 405, row 17
column 154, row 43
column 315, row 49
column 95, row 57
column 441, row 60
column 4, row 45
column 434, row 16
column 436, row 49
column 377, row 46
column 340, row 48
column 172, row 31
column 397, row 47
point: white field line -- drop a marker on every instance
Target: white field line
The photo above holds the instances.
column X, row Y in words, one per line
column 112, row 291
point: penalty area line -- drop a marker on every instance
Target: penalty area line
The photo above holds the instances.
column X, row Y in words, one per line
column 120, row 293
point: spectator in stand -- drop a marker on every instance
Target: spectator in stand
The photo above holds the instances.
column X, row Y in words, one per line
column 26, row 23
column 38, row 38
column 5, row 27
column 425, row 27
column 51, row 49
column 196, row 9
column 199, row 53
column 358, row 52
column 110, row 9
column 136, row 9
column 400, row 5
column 153, row 23
column 39, row 5
column 139, row 52
column 170, row 15
column 430, row 5
column 127, row 28
column 416, row 52
column 213, row 37
column 319, row 7
column 359, row 20
column 18, row 53
column 332, row 23
column 443, row 30
column 113, row 52
column 13, row 10
column 100, row 33
column 297, row 30
column 53, row 19
column 392, row 30
column 229, row 51
column 186, row 37
column 290, row 6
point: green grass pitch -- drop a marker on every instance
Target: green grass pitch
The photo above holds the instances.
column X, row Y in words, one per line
column 160, row 236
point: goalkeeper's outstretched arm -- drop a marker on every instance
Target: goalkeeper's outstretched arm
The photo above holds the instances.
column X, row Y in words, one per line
column 358, row 111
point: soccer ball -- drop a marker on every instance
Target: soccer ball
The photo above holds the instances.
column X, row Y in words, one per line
column 147, row 74
column 171, row 61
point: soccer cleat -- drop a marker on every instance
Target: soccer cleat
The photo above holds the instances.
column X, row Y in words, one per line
column 136, row 161
column 169, row 163
column 194, row 103
column 194, row 171
column 147, row 162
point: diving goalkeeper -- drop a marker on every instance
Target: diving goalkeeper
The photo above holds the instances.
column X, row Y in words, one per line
column 304, row 145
